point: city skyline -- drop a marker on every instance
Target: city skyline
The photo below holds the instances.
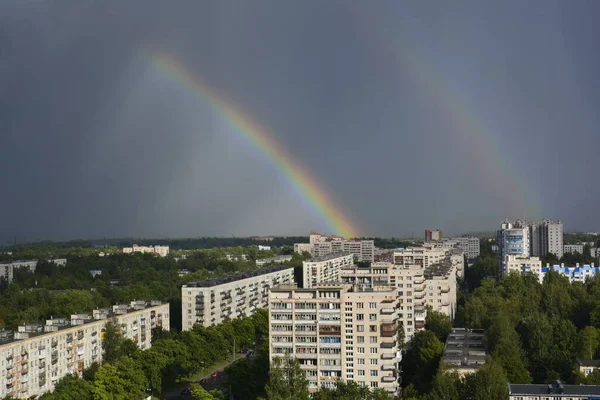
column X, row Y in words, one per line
column 379, row 120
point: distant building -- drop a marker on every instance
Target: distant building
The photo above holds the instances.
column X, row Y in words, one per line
column 183, row 272
column 162, row 251
column 321, row 245
column 236, row 257
column 522, row 264
column 469, row 245
column 213, row 301
column 465, row 351
column 586, row 367
column 7, row 269
column 433, row 235
column 326, row 269
column 261, row 247
column 573, row 248
column 36, row 357
column 554, row 391
column 276, row 260
column 95, row 272
column 575, row 274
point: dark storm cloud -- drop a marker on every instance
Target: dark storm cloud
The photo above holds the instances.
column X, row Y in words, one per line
column 96, row 141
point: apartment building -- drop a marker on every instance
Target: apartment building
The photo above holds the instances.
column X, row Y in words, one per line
column 417, row 288
column 320, row 270
column 522, row 264
column 420, row 256
column 212, row 301
column 35, row 357
column 237, row 257
column 337, row 333
column 575, row 274
column 469, row 245
column 465, row 351
column 547, row 237
column 528, row 238
column 553, row 391
column 321, row 245
column 7, row 269
column 586, row 367
column 278, row 259
column 162, row 251
column 573, row 249
column 433, row 235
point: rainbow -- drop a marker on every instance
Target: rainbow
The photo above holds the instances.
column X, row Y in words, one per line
column 495, row 166
column 299, row 178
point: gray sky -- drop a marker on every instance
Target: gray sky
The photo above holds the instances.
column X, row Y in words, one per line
column 412, row 115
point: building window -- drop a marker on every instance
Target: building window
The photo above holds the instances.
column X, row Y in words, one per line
column 373, row 372
column 372, row 305
column 372, row 328
column 373, row 339
column 360, row 339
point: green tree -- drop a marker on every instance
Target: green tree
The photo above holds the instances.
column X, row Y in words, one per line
column 488, row 383
column 588, row 343
column 71, row 387
column 123, row 381
column 420, row 362
column 438, row 323
column 447, row 385
column 199, row 393
column 112, row 340
column 287, row 381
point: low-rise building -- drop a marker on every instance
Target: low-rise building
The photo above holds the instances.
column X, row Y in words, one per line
column 337, row 333
column 35, row 357
column 273, row 260
column 162, row 251
column 554, row 391
column 325, row 269
column 303, row 248
column 236, row 257
column 261, row 247
column 523, row 264
column 575, row 274
column 212, row 301
column 465, row 351
column 573, row 248
column 586, row 367
column 469, row 245
column 95, row 272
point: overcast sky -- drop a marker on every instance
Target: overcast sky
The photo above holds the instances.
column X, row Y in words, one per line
column 412, row 115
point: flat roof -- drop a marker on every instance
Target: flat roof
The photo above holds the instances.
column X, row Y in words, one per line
column 589, row 363
column 541, row 389
column 238, row 276
column 329, row 256
column 465, row 348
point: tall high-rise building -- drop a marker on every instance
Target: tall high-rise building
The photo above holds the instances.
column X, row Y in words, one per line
column 547, row 237
column 337, row 333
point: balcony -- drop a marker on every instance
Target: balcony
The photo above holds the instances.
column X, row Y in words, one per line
column 387, row 310
column 69, row 338
column 388, row 379
column 388, row 345
column 388, row 367
column 10, row 365
column 388, row 329
column 388, row 356
column 54, row 343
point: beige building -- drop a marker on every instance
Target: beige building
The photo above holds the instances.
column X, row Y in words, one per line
column 162, row 251
column 553, row 391
column 320, row 270
column 212, row 301
column 420, row 256
column 271, row 260
column 35, row 357
column 417, row 288
column 573, row 248
column 524, row 264
column 321, row 245
column 338, row 333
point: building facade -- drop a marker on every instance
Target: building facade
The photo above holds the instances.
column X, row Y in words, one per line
column 34, row 358
column 575, row 274
column 162, row 251
column 469, row 245
column 7, row 269
column 321, row 245
column 271, row 260
column 573, row 249
column 433, row 235
column 325, row 269
column 522, row 264
column 337, row 333
column 212, row 301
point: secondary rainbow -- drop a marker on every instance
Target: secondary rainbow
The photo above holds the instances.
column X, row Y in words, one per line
column 306, row 185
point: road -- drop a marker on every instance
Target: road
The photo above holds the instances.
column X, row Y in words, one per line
column 210, row 384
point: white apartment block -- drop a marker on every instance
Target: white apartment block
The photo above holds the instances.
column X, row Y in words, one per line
column 236, row 257
column 278, row 259
column 321, row 245
column 162, row 251
column 325, row 269
column 303, row 247
column 212, row 301
column 469, row 245
column 35, row 357
column 417, row 288
column 337, row 333
column 573, row 249
column 420, row 256
column 7, row 269
column 523, row 264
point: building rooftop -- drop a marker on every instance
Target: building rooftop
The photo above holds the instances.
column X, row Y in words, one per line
column 589, row 363
column 465, row 348
column 76, row 320
column 437, row 270
column 557, row 390
column 237, row 277
column 330, row 256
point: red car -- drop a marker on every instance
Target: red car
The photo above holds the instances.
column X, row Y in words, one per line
column 215, row 374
